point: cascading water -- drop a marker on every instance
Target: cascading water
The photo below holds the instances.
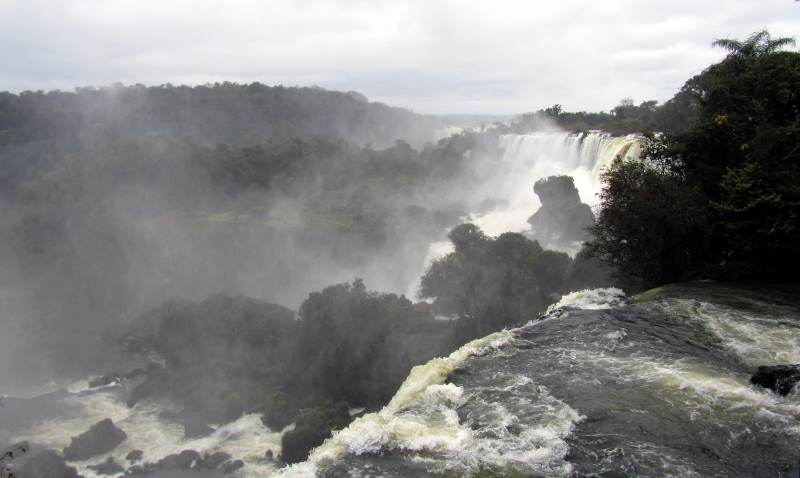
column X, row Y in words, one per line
column 600, row 386
column 508, row 181
column 529, row 157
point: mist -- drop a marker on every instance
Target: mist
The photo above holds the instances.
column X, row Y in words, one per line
column 342, row 239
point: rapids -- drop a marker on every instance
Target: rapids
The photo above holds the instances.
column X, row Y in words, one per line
column 598, row 386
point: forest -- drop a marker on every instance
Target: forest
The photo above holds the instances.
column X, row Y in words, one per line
column 108, row 193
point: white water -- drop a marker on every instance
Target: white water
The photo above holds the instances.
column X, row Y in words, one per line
column 529, row 157
column 508, row 181
column 422, row 416
column 756, row 338
column 246, row 438
column 591, row 299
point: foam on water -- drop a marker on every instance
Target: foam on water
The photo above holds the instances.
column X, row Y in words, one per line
column 758, row 339
column 420, row 416
column 527, row 431
column 246, row 438
column 701, row 387
column 591, row 299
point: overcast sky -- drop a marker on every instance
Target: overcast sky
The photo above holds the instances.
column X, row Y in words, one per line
column 493, row 57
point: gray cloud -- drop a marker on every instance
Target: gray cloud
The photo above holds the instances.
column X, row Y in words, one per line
column 438, row 57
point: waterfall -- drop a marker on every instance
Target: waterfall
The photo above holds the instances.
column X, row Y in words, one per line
column 529, row 157
column 508, row 180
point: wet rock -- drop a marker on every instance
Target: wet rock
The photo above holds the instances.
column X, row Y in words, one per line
column 108, row 467
column 269, row 456
column 212, row 461
column 562, row 218
column 181, row 461
column 116, row 377
column 47, row 464
column 155, row 382
column 101, row 438
column 778, row 378
column 232, row 466
column 106, row 379
column 137, row 470
column 134, row 456
column 195, row 427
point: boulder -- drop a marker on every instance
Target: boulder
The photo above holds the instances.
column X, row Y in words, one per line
column 563, row 218
column 196, row 429
column 101, row 438
column 212, row 461
column 181, row 461
column 114, row 377
column 108, row 467
column 134, row 456
column 778, row 378
column 194, row 425
column 47, row 464
column 232, row 466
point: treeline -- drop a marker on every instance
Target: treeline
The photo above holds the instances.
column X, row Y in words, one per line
column 625, row 118
column 229, row 113
column 347, row 347
column 299, row 207
column 716, row 195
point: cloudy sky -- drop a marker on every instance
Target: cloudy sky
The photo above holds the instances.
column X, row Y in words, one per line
column 493, row 57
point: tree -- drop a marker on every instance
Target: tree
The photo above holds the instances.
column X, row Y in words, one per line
column 716, row 195
column 495, row 281
column 652, row 226
column 758, row 44
column 554, row 110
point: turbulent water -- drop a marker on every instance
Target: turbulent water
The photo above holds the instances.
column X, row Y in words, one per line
column 599, row 386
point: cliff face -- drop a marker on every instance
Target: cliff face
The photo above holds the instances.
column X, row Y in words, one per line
column 562, row 218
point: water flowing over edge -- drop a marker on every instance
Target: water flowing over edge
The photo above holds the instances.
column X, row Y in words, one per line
column 422, row 414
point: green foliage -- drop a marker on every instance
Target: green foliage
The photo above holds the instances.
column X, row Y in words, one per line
column 493, row 281
column 229, row 113
column 652, row 227
column 624, row 118
column 718, row 194
column 361, row 344
column 230, row 355
column 312, row 428
column 758, row 44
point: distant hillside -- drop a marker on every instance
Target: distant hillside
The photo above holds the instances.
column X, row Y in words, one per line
column 229, row 113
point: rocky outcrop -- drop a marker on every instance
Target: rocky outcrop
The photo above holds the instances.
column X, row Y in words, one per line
column 194, row 425
column 563, row 218
column 108, row 467
column 47, row 464
column 188, row 462
column 212, row 461
column 134, row 456
column 232, row 466
column 778, row 378
column 101, row 438
column 114, row 377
